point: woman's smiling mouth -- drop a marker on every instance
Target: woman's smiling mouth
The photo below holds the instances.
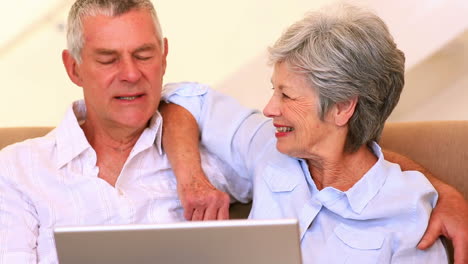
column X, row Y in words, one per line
column 284, row 129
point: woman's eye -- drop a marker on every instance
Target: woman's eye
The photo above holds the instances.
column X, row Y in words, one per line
column 278, row 92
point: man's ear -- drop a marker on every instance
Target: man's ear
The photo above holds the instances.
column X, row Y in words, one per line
column 343, row 111
column 71, row 67
column 164, row 58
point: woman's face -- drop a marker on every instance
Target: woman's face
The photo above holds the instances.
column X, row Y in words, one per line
column 294, row 108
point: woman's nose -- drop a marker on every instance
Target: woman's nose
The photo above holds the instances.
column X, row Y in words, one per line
column 272, row 108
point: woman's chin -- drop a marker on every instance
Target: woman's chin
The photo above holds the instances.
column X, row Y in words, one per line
column 284, row 148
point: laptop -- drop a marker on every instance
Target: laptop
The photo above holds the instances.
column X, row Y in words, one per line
column 210, row 242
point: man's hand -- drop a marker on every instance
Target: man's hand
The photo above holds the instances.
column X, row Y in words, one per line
column 202, row 201
column 450, row 216
column 450, row 219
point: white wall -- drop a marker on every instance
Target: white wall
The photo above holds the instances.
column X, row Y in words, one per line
column 430, row 32
column 209, row 40
column 35, row 87
column 437, row 88
column 221, row 43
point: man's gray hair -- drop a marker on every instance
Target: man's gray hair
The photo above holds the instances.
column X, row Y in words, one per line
column 347, row 52
column 83, row 8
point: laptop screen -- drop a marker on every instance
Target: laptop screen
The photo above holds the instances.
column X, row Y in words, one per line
column 209, row 242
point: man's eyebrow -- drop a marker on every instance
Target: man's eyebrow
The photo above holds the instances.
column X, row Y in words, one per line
column 105, row 52
column 145, row 47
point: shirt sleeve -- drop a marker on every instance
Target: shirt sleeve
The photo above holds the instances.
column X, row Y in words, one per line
column 18, row 221
column 236, row 134
column 224, row 178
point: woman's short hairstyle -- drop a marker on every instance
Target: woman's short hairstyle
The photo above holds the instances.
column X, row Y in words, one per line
column 347, row 52
column 83, row 8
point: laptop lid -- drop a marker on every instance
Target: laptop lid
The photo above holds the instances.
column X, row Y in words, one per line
column 210, row 242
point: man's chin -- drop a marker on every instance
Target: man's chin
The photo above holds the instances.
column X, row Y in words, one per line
column 134, row 122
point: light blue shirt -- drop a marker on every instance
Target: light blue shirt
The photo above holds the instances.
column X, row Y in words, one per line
column 379, row 220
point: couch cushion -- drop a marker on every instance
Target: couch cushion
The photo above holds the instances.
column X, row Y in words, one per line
column 10, row 135
column 440, row 146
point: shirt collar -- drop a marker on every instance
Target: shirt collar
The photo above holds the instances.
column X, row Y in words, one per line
column 152, row 135
column 369, row 185
column 71, row 140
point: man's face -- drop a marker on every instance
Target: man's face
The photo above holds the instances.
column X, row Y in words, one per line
column 122, row 69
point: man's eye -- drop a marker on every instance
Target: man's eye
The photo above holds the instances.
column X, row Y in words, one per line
column 143, row 58
column 285, row 96
column 106, row 62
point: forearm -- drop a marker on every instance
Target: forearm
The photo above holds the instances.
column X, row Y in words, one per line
column 181, row 142
column 231, row 132
column 227, row 128
column 199, row 198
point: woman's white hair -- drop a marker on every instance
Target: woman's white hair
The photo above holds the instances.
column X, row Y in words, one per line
column 346, row 52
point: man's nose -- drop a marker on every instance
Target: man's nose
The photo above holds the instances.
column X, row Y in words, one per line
column 272, row 108
column 129, row 71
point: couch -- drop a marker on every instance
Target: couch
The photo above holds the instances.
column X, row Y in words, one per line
column 440, row 146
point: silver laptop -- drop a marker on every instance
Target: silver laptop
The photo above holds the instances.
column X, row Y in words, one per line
column 212, row 242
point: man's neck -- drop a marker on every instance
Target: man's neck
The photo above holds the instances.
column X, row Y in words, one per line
column 112, row 146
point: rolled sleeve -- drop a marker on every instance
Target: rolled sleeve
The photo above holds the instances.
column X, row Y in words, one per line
column 231, row 131
column 186, row 94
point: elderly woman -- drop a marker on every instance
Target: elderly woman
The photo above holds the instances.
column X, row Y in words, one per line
column 337, row 77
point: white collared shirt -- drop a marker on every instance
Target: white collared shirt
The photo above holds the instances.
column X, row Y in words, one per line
column 379, row 220
column 53, row 181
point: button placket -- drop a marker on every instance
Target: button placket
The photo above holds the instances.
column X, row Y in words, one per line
column 126, row 206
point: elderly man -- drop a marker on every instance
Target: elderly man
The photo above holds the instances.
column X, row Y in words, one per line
column 104, row 163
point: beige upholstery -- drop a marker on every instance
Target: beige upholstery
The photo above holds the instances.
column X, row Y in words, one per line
column 440, row 146
column 10, row 135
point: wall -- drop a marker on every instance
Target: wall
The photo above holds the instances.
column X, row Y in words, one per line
column 208, row 41
column 223, row 43
column 437, row 88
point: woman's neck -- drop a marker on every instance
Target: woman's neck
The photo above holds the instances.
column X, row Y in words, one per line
column 341, row 170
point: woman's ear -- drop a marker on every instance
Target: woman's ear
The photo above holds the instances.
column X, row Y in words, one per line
column 343, row 111
column 71, row 67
